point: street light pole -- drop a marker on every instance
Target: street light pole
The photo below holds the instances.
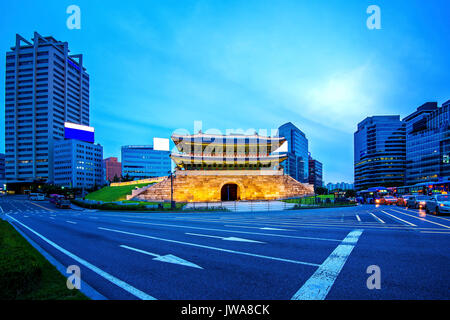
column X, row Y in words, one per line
column 172, row 203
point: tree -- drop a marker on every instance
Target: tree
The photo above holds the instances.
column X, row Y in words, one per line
column 127, row 178
column 350, row 193
column 320, row 190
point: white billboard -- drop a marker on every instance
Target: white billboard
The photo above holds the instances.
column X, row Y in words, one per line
column 161, row 144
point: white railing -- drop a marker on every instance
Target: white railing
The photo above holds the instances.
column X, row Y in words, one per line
column 241, row 206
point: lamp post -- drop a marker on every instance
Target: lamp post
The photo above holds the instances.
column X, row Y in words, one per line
column 172, row 203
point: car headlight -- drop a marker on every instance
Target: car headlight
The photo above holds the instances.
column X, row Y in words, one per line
column 422, row 203
column 441, row 205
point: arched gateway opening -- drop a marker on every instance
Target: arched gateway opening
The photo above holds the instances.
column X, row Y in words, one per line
column 229, row 192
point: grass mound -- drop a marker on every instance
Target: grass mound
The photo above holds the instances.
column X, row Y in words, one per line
column 25, row 274
column 113, row 193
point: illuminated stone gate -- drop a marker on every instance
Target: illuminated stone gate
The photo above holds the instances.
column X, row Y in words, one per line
column 227, row 168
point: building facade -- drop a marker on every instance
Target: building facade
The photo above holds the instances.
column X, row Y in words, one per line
column 380, row 152
column 78, row 164
column 45, row 86
column 2, row 167
column 315, row 172
column 2, row 173
column 428, row 144
column 296, row 164
column 142, row 162
column 113, row 168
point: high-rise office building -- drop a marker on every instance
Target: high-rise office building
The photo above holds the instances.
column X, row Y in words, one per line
column 78, row 161
column 315, row 172
column 45, row 87
column 78, row 164
column 428, row 144
column 142, row 162
column 113, row 168
column 2, row 167
column 296, row 165
column 379, row 152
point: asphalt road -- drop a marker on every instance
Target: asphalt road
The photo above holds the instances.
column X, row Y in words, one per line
column 303, row 254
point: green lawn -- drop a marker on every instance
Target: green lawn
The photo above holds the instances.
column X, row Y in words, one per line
column 113, row 193
column 310, row 200
column 25, row 274
column 166, row 205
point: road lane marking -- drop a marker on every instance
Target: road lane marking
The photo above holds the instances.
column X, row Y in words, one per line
column 224, row 238
column 376, row 217
column 409, row 223
column 2, row 209
column 358, row 218
column 442, row 232
column 259, row 228
column 125, row 286
column 422, row 219
column 320, row 283
column 71, row 222
column 169, row 258
column 42, row 206
column 233, row 231
column 209, row 247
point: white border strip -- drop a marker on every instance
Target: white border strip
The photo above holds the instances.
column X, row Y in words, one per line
column 71, row 125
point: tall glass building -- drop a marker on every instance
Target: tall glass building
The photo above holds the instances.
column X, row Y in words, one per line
column 296, row 164
column 315, row 173
column 142, row 162
column 45, row 86
column 428, row 144
column 379, row 152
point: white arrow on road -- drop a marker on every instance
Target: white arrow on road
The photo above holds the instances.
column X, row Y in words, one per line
column 225, row 238
column 169, row 258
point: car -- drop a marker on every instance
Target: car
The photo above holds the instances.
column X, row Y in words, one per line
column 379, row 201
column 417, row 201
column 55, row 197
column 390, row 200
column 438, row 204
column 36, row 196
column 401, row 200
column 62, row 203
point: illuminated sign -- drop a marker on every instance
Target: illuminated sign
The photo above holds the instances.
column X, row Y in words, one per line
column 78, row 132
column 161, row 144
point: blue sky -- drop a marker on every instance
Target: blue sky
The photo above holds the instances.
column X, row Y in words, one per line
column 158, row 66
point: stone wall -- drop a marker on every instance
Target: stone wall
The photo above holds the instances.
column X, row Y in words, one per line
column 202, row 188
